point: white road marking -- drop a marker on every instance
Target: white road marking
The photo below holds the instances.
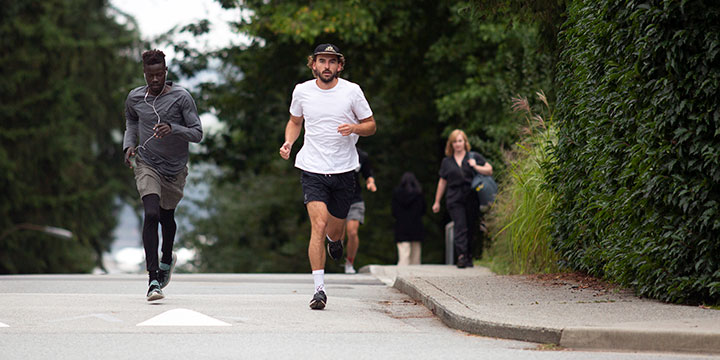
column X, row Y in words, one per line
column 182, row 317
column 4, row 325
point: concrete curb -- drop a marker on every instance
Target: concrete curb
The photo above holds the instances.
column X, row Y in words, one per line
column 678, row 337
column 640, row 340
column 457, row 316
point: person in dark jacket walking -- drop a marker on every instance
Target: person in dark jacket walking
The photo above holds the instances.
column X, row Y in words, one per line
column 456, row 172
column 408, row 208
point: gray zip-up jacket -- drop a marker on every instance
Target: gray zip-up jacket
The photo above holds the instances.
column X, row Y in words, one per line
column 167, row 155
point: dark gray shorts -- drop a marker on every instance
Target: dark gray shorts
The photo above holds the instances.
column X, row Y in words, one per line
column 170, row 190
column 335, row 190
column 357, row 212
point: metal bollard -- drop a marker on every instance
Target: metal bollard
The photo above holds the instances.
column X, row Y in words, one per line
column 449, row 243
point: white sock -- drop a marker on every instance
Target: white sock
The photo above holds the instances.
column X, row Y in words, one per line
column 319, row 278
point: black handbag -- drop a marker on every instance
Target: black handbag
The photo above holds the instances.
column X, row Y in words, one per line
column 485, row 188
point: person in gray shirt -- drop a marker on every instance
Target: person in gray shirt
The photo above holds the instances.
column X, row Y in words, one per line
column 164, row 118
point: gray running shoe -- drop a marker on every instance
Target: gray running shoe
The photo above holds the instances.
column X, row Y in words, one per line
column 318, row 301
column 164, row 275
column 154, row 292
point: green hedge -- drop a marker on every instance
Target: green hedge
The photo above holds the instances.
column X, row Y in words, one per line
column 638, row 157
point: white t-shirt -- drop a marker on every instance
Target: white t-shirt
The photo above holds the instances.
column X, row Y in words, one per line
column 325, row 150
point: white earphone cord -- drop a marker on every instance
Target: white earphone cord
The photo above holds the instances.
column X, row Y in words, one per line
column 156, row 114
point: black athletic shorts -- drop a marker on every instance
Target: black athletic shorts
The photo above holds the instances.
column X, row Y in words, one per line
column 335, row 190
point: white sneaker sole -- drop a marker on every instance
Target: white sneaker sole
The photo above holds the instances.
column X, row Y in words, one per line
column 155, row 296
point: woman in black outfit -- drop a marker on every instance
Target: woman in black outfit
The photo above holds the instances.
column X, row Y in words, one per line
column 408, row 208
column 456, row 172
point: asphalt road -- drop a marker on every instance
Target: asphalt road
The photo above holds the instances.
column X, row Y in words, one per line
column 236, row 316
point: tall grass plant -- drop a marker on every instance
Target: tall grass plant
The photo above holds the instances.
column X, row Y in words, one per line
column 519, row 223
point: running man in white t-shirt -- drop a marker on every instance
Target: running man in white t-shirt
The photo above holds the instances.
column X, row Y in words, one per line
column 335, row 113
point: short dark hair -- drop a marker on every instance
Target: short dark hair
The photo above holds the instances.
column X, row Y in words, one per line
column 311, row 60
column 152, row 57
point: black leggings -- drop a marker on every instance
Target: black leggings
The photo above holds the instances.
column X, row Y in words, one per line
column 155, row 215
column 465, row 216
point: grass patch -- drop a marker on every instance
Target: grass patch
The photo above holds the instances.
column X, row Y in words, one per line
column 550, row 347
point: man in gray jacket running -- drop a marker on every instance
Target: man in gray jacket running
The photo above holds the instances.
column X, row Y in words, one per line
column 164, row 118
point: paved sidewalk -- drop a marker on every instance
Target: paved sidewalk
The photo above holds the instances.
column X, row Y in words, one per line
column 514, row 307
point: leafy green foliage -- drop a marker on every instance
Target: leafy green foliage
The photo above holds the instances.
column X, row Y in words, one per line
column 546, row 15
column 251, row 228
column 475, row 69
column 638, row 165
column 64, row 75
column 426, row 68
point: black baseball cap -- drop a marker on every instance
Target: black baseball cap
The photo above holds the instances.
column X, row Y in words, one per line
column 327, row 49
